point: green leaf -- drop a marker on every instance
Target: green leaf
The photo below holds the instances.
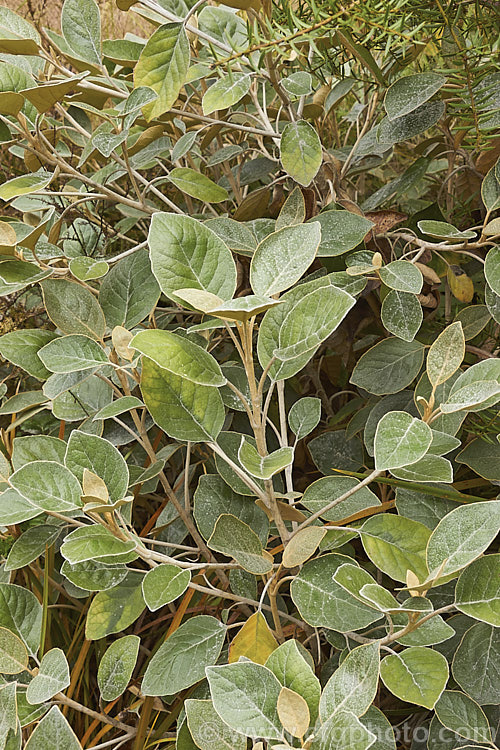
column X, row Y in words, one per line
column 446, row 354
column 243, row 308
column 471, row 396
column 473, row 319
column 402, row 276
column 15, row 509
column 93, row 575
column 36, row 447
column 408, row 126
column 487, row 370
column 334, row 451
column 462, row 535
column 18, row 274
column 478, row 590
column 8, row 709
column 361, row 585
column 307, row 315
column 185, row 410
column 86, row 269
column 402, row 314
column 409, row 92
column 417, row 675
column 377, row 723
column 208, row 730
column 490, row 190
column 263, row 467
column 112, row 611
column 30, row 545
column 311, row 321
column 293, row 210
column 17, row 29
column 90, row 542
column 72, row 353
column 323, row 603
column 492, row 269
column 163, row 65
column 48, row 485
column 400, row 440
column 116, row 666
column 225, row 92
column 476, row 664
column 77, row 402
column 22, row 401
column 301, row 151
column 460, row 714
column 341, row 231
column 120, row 406
column 236, row 539
column 234, row 234
column 324, row 491
column 186, row 254
column 22, row 347
column 81, row 28
column 164, row 584
column 53, row 676
column 72, row 308
column 180, row 662
column 298, row 84
column 443, row 443
column 53, row 728
column 197, row 185
column 245, row 696
column 290, row 665
column 344, row 730
column 129, row 292
column 21, row 613
column 389, row 366
column 429, row 469
column 304, row 416
column 395, row 545
column 444, row 231
column 100, row 457
column 230, row 443
column 28, row 183
column 180, row 356
column 213, row 497
column 353, row 686
column 13, row 653
column 283, row 257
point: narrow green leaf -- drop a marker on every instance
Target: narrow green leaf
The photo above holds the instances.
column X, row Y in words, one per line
column 28, row 183
column 90, row 542
column 116, row 666
column 446, row 354
column 197, row 185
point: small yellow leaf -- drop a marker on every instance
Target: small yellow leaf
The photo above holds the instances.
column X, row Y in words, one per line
column 8, row 239
column 302, row 546
column 461, row 285
column 412, row 582
column 121, row 338
column 293, row 712
column 94, row 486
column 254, row 641
column 287, row 512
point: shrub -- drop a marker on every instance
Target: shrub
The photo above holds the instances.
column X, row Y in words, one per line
column 250, row 452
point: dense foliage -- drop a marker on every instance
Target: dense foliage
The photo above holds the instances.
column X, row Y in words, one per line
column 250, row 451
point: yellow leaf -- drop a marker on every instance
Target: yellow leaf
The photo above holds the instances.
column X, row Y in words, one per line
column 461, row 285
column 293, row 712
column 121, row 338
column 10, row 102
column 94, row 486
column 8, row 239
column 302, row 546
column 254, row 640
column 287, row 512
